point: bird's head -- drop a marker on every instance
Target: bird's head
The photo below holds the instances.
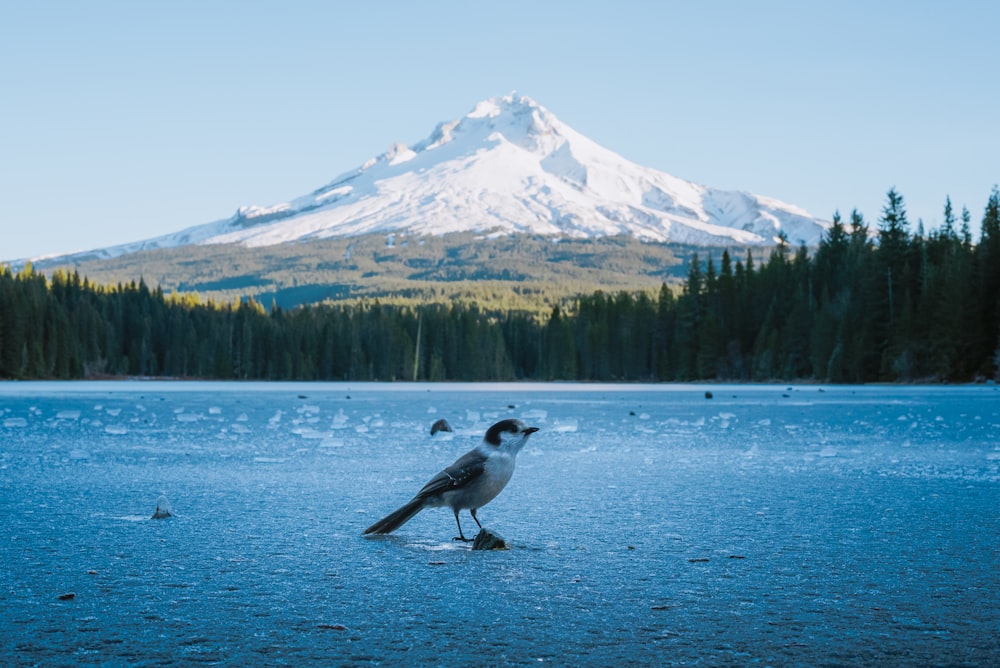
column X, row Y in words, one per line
column 509, row 435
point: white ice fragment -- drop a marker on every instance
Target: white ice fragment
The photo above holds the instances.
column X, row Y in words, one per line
column 828, row 451
column 431, row 410
column 307, row 409
column 115, row 430
column 15, row 422
column 214, row 410
column 188, row 417
column 276, row 418
column 340, row 420
column 243, row 417
column 114, row 412
column 309, row 433
column 726, row 416
column 238, row 428
column 566, row 426
column 766, row 422
column 68, row 415
column 79, row 453
column 270, row 460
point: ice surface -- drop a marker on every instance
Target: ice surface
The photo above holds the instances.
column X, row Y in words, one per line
column 647, row 526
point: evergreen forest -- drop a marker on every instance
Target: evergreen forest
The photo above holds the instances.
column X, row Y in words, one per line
column 882, row 304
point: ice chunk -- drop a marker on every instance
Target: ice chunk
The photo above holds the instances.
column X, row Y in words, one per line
column 309, row 433
column 566, row 426
column 68, row 415
column 15, row 422
column 340, row 420
column 115, row 430
column 828, row 451
column 536, row 414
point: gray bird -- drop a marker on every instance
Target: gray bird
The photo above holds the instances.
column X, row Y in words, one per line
column 471, row 482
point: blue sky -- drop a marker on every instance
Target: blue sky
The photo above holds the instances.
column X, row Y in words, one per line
column 125, row 120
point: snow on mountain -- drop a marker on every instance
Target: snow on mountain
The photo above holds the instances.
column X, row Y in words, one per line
column 509, row 166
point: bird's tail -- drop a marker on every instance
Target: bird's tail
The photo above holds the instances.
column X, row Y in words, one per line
column 397, row 518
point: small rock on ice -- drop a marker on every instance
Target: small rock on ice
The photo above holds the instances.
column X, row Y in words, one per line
column 487, row 540
column 440, row 425
column 162, row 509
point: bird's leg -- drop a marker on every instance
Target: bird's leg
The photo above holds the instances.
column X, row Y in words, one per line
column 460, row 536
column 472, row 511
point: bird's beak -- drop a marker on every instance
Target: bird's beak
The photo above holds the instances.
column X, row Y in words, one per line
column 530, row 430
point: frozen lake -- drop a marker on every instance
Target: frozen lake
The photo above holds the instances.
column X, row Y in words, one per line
column 649, row 525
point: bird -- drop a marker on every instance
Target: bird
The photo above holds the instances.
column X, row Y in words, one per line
column 470, row 483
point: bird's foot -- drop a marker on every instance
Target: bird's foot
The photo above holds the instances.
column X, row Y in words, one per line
column 462, row 539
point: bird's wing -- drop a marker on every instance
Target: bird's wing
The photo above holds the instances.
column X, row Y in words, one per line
column 466, row 468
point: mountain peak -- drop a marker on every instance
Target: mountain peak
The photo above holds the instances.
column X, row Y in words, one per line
column 511, row 104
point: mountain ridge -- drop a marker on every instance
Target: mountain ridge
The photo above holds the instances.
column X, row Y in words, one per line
column 509, row 166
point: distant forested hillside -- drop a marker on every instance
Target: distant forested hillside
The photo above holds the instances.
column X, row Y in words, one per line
column 518, row 272
column 897, row 305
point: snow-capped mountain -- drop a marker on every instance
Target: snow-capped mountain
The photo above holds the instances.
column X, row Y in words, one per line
column 509, row 166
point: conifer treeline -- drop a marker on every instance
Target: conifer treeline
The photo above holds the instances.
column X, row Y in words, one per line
column 903, row 306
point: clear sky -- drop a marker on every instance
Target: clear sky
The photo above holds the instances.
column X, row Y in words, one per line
column 121, row 121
